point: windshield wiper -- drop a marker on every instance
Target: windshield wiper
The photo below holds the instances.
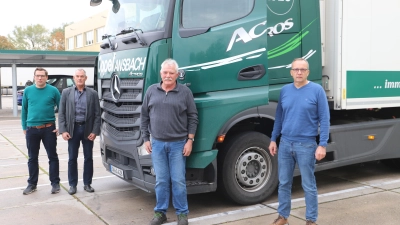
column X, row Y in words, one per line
column 130, row 30
column 109, row 44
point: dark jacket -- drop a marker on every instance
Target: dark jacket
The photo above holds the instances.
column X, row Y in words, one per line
column 66, row 113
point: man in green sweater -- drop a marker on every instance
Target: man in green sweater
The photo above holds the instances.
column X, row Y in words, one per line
column 38, row 123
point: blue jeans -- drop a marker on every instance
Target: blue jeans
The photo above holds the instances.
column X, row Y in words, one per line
column 303, row 154
column 49, row 140
column 170, row 167
column 73, row 150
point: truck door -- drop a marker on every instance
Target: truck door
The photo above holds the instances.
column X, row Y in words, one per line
column 220, row 45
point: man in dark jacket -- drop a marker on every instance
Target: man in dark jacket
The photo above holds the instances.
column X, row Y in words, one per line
column 79, row 122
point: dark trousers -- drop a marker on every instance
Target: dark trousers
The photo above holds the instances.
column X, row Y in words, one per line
column 49, row 140
column 73, row 150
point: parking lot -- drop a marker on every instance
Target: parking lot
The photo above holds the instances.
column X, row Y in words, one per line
column 360, row 194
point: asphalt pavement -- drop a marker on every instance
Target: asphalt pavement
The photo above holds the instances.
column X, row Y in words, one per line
column 355, row 195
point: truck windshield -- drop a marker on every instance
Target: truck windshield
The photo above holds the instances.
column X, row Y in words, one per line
column 146, row 15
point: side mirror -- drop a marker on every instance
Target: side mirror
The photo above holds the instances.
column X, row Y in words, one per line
column 95, row 2
column 116, row 6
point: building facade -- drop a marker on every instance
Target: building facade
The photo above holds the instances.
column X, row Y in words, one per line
column 86, row 35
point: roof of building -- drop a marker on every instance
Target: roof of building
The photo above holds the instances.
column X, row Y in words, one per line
column 37, row 58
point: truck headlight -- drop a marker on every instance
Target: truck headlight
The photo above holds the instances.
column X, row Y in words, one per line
column 142, row 150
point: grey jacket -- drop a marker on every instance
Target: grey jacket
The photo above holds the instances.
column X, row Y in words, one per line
column 168, row 116
column 66, row 112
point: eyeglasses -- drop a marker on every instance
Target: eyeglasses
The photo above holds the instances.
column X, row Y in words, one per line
column 299, row 70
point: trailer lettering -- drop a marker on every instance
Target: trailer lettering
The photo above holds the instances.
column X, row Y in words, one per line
column 392, row 84
column 241, row 34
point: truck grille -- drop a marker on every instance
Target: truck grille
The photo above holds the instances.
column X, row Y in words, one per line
column 122, row 119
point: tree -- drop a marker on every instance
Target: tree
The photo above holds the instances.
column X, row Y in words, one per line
column 32, row 37
column 57, row 38
column 5, row 44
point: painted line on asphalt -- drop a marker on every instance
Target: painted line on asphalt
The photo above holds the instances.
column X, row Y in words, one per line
column 62, row 182
column 373, row 184
column 327, row 194
column 228, row 213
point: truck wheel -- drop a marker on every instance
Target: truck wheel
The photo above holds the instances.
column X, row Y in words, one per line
column 247, row 173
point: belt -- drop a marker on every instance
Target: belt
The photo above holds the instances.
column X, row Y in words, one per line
column 80, row 123
column 43, row 126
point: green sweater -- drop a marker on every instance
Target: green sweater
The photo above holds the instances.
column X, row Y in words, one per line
column 38, row 105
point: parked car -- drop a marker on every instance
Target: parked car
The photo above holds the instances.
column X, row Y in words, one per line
column 59, row 81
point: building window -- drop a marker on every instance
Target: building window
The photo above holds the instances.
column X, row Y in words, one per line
column 89, row 37
column 99, row 34
column 79, row 41
column 70, row 43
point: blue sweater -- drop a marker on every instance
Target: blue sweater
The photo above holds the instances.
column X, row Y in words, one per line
column 299, row 113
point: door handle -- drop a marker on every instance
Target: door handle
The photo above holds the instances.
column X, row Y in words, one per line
column 252, row 73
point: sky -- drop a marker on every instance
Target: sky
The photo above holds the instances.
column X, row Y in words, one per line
column 49, row 13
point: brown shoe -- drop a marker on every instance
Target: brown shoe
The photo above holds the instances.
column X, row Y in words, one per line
column 280, row 221
column 309, row 222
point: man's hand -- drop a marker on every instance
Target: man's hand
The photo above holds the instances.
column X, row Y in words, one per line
column 320, row 153
column 187, row 149
column 92, row 136
column 66, row 136
column 56, row 131
column 24, row 132
column 147, row 146
column 273, row 149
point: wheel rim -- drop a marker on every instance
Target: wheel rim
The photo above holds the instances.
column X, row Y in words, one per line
column 253, row 169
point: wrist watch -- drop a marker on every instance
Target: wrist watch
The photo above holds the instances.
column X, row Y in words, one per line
column 192, row 139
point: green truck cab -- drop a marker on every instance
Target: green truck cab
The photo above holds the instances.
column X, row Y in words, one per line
column 235, row 56
column 224, row 49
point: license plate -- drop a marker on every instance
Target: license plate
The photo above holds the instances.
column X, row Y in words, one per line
column 117, row 171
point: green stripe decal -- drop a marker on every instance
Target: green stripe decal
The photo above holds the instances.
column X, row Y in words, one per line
column 373, row 84
column 291, row 44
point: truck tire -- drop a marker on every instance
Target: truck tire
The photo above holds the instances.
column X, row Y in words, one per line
column 247, row 173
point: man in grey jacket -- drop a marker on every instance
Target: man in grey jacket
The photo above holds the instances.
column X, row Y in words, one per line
column 169, row 114
column 79, row 121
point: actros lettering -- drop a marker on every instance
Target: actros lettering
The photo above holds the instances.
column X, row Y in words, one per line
column 125, row 64
column 241, row 34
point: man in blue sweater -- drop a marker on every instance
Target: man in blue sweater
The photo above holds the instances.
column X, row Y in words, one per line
column 38, row 124
column 302, row 109
column 169, row 114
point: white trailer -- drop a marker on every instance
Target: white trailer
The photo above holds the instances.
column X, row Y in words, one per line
column 361, row 77
column 361, row 53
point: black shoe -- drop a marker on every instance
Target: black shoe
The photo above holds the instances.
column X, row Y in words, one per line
column 159, row 218
column 182, row 219
column 72, row 190
column 88, row 188
column 31, row 188
column 55, row 188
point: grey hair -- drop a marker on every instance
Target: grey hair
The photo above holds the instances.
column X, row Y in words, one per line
column 82, row 70
column 170, row 62
column 301, row 59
